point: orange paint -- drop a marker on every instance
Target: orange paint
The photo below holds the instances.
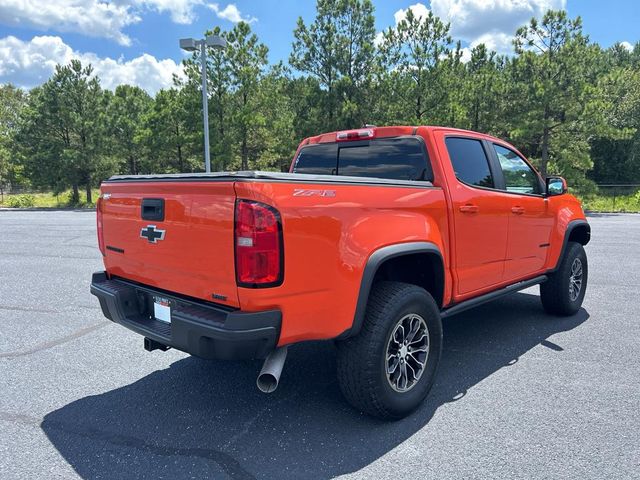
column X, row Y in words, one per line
column 488, row 238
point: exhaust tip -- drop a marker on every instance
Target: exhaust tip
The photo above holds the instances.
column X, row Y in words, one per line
column 267, row 383
column 269, row 376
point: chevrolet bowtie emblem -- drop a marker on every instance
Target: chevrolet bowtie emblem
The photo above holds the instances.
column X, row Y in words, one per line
column 152, row 234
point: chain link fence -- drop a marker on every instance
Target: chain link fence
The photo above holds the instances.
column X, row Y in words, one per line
column 619, row 195
column 612, row 197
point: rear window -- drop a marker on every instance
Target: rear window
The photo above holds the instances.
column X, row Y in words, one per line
column 391, row 158
column 319, row 159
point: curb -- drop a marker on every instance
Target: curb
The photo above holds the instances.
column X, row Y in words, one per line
column 47, row 209
column 595, row 213
column 93, row 209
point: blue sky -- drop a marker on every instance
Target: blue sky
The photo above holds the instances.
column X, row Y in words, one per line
column 135, row 41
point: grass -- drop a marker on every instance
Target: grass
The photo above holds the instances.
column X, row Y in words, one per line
column 47, row 200
column 593, row 203
column 609, row 203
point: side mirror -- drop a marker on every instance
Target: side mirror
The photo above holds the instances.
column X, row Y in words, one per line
column 556, row 186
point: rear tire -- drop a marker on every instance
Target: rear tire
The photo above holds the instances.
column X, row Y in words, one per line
column 563, row 293
column 387, row 369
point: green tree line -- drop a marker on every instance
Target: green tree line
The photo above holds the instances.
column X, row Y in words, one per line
column 563, row 100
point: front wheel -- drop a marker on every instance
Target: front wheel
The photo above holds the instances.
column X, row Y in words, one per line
column 389, row 367
column 563, row 292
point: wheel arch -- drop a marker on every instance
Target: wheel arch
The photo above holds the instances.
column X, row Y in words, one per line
column 416, row 263
column 577, row 231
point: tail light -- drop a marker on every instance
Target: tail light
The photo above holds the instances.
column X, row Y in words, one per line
column 99, row 225
column 258, row 245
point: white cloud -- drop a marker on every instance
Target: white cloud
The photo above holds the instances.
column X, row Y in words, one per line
column 94, row 18
column 627, row 46
column 419, row 11
column 90, row 17
column 498, row 41
column 31, row 63
column 493, row 22
column 182, row 11
column 471, row 18
column 466, row 54
column 378, row 39
column 144, row 71
column 230, row 13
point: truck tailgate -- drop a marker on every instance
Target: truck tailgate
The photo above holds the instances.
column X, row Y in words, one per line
column 190, row 251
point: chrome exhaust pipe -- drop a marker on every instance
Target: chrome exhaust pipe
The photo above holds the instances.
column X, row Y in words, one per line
column 271, row 369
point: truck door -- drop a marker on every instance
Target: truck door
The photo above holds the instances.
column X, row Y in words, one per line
column 530, row 221
column 480, row 215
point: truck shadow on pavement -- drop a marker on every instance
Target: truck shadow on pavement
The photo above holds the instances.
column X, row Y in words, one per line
column 202, row 419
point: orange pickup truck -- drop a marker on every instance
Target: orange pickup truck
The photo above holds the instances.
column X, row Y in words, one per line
column 373, row 237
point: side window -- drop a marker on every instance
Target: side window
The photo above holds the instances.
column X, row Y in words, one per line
column 469, row 161
column 317, row 160
column 519, row 177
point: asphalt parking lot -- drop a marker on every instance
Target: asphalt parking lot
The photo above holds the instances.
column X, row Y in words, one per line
column 519, row 395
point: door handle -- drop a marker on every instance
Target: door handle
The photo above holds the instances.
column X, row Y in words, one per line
column 517, row 210
column 469, row 208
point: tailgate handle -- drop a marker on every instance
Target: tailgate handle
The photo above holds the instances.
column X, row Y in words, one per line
column 152, row 209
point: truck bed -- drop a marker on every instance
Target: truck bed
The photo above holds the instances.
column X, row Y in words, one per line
column 330, row 224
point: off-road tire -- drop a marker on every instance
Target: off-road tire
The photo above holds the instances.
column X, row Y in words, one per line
column 555, row 293
column 362, row 362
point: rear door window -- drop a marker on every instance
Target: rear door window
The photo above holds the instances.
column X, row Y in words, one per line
column 391, row 158
column 470, row 162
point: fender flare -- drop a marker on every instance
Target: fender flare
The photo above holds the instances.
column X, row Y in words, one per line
column 375, row 260
column 573, row 224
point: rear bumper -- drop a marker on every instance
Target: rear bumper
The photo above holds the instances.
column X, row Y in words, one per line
column 199, row 328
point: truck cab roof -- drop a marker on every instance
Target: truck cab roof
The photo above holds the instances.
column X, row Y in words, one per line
column 383, row 132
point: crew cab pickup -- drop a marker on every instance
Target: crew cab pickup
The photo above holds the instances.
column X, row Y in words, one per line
column 371, row 239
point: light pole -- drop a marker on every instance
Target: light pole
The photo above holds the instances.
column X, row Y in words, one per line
column 190, row 45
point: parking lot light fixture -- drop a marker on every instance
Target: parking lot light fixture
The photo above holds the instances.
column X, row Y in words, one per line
column 188, row 44
column 191, row 45
column 216, row 42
